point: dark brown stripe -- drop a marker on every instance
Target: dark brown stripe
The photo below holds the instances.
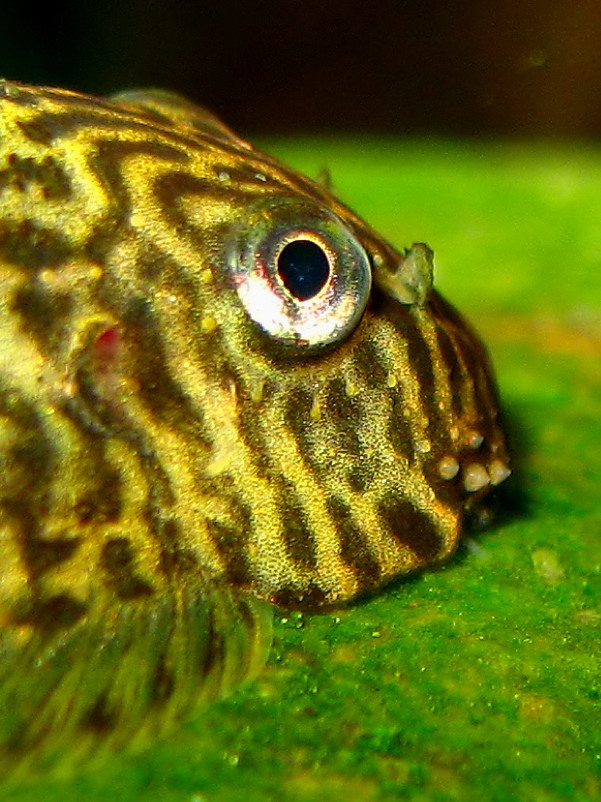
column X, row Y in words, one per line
column 478, row 377
column 367, row 358
column 297, row 416
column 450, row 360
column 102, row 239
column 117, row 560
column 176, row 561
column 144, row 341
column 470, row 346
column 32, row 459
column 39, row 553
column 30, row 246
column 102, row 717
column 354, row 548
column 399, row 429
column 162, row 395
column 246, row 611
column 101, row 114
column 105, row 162
column 102, row 502
column 49, row 126
column 162, row 684
column 214, row 642
column 158, row 267
column 411, row 527
column 169, row 188
column 307, row 599
column 104, row 117
column 46, row 173
column 231, row 541
column 297, row 534
column 44, row 314
column 56, row 613
column 36, row 131
column 43, row 555
column 420, row 363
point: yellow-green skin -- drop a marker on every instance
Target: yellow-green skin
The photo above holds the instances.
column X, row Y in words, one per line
column 164, row 464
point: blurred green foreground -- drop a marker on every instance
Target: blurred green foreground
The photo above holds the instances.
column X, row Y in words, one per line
column 479, row 681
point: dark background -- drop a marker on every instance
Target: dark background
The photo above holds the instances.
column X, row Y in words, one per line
column 461, row 67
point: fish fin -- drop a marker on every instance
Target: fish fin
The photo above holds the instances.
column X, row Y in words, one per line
column 165, row 106
column 123, row 674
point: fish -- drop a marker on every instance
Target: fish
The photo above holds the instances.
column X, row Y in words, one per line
column 221, row 392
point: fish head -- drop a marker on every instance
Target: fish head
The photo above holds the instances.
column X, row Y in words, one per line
column 265, row 378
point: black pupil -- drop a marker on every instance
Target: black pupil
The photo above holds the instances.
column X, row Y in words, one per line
column 304, row 268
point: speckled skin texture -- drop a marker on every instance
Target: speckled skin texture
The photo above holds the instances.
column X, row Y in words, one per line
column 168, row 467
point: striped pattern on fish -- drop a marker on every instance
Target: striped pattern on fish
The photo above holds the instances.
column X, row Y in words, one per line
column 164, row 436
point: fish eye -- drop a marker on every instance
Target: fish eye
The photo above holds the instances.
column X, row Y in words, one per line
column 304, row 268
column 301, row 274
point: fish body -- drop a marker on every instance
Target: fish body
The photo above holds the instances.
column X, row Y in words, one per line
column 219, row 390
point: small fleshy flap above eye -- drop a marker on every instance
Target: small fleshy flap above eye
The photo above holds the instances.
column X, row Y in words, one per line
column 301, row 274
column 411, row 281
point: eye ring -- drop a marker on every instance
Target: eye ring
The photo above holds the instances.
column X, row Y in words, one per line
column 301, row 274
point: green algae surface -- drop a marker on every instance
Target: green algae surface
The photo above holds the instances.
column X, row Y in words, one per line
column 480, row 680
